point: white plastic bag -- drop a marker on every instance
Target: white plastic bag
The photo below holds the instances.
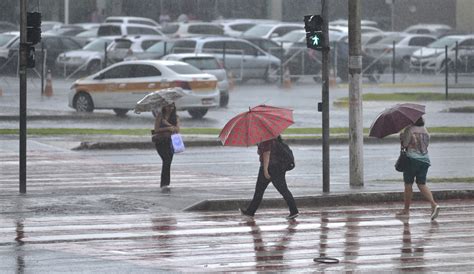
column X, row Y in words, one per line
column 177, row 141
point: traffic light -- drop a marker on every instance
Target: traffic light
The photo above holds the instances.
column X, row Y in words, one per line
column 33, row 28
column 313, row 25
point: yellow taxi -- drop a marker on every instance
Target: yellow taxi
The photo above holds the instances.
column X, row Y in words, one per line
column 121, row 85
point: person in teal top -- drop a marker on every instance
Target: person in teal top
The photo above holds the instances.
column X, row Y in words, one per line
column 415, row 140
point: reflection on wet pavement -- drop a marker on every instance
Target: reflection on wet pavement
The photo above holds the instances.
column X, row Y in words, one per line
column 364, row 238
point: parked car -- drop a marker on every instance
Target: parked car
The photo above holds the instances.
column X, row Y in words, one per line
column 7, row 39
column 343, row 22
column 267, row 45
column 272, row 31
column 405, row 45
column 242, row 58
column 236, row 27
column 86, row 36
column 89, row 59
column 432, row 57
column 209, row 64
column 116, row 29
column 432, row 29
column 121, row 85
column 191, row 29
column 53, row 45
column 303, row 61
column 132, row 20
column 7, row 26
column 124, row 47
column 48, row 25
column 65, row 30
column 154, row 52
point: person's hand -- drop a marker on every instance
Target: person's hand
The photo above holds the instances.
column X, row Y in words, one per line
column 266, row 174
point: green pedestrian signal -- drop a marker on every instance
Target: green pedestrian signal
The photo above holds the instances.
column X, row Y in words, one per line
column 315, row 40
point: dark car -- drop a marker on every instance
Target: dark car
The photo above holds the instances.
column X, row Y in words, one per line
column 267, row 45
column 303, row 61
column 53, row 46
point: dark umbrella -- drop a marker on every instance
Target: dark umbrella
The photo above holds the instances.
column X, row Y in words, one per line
column 396, row 118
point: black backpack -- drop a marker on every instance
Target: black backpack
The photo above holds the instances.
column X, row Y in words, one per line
column 282, row 156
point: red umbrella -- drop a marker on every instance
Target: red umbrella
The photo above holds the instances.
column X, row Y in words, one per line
column 396, row 118
column 259, row 124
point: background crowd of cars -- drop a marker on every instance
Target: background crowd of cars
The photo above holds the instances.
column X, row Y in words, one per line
column 243, row 48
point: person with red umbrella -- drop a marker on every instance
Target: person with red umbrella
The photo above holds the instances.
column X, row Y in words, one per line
column 262, row 125
column 415, row 140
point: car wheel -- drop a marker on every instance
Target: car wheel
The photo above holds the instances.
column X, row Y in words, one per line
column 271, row 74
column 224, row 100
column 197, row 113
column 93, row 67
column 84, row 103
column 121, row 112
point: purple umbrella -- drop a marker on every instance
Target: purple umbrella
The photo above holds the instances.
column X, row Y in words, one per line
column 396, row 118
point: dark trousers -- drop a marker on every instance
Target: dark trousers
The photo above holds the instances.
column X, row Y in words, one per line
column 165, row 151
column 279, row 181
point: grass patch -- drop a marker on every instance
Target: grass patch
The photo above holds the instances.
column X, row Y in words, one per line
column 410, row 97
column 207, row 131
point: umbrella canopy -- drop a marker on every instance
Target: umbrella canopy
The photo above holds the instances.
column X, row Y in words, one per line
column 259, row 124
column 158, row 99
column 396, row 118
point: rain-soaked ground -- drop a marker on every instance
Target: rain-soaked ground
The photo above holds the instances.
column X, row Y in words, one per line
column 364, row 238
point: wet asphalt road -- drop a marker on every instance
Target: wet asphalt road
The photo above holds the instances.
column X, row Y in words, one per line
column 364, row 238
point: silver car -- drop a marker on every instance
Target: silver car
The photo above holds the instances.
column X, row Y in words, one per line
column 405, row 45
column 240, row 57
column 209, row 64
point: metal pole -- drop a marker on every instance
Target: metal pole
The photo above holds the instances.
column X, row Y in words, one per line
column 456, row 63
column 356, row 134
column 325, row 97
column 281, row 67
column 23, row 93
column 42, row 68
column 393, row 62
column 446, row 69
column 66, row 12
column 104, row 65
column 223, row 55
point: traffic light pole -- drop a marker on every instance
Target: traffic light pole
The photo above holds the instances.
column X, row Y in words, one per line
column 325, row 97
column 23, row 88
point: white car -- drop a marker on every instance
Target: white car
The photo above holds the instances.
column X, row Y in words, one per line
column 236, row 27
column 124, row 47
column 272, row 31
column 432, row 57
column 209, row 64
column 192, row 29
column 433, row 29
column 132, row 20
column 122, row 85
column 117, row 29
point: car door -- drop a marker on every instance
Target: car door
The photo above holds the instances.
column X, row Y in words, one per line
column 143, row 80
column 255, row 62
column 113, row 87
column 465, row 55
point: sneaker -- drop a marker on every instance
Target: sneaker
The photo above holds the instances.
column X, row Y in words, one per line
column 435, row 212
column 292, row 216
column 243, row 212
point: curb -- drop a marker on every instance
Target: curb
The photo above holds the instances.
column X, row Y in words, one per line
column 327, row 200
column 317, row 140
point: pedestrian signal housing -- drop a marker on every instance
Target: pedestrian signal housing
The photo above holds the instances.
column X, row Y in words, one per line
column 313, row 25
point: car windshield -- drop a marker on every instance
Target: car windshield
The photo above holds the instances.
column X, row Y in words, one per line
column 203, row 62
column 258, row 30
column 293, row 36
column 184, row 69
column 97, row 45
column 5, row 38
column 445, row 41
column 88, row 33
